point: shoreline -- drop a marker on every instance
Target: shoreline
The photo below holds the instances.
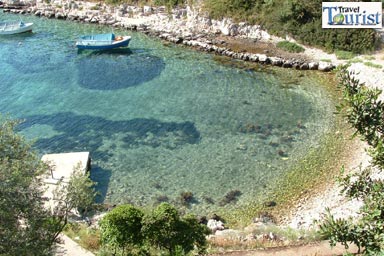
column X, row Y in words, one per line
column 218, row 37
column 185, row 26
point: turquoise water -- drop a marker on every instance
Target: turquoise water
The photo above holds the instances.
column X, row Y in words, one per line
column 159, row 120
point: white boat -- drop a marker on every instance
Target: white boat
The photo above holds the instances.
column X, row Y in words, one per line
column 14, row 27
column 102, row 42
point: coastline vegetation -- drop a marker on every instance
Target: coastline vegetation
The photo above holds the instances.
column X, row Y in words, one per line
column 298, row 19
column 364, row 112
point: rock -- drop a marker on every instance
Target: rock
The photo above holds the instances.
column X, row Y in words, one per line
column 287, row 64
column 147, row 10
column 59, row 15
column 325, row 66
column 304, row 66
column 263, row 58
column 313, row 65
column 276, row 61
column 215, row 225
column 270, row 204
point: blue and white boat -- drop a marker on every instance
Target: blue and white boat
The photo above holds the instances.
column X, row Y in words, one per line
column 102, row 42
column 14, row 27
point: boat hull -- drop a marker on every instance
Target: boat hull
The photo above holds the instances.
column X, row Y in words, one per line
column 27, row 27
column 97, row 45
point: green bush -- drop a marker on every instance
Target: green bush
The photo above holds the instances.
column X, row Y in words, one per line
column 164, row 228
column 290, row 47
column 121, row 228
column 344, row 55
column 127, row 229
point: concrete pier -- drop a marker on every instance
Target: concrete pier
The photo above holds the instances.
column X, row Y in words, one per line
column 63, row 165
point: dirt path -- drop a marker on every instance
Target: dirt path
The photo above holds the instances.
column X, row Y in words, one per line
column 318, row 249
column 68, row 247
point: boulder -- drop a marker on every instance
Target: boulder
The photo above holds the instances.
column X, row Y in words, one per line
column 215, row 225
column 313, row 65
column 276, row 61
column 325, row 66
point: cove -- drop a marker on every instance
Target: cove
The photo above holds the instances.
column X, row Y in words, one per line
column 161, row 122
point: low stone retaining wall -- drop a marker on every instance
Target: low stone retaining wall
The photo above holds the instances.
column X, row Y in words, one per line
column 184, row 27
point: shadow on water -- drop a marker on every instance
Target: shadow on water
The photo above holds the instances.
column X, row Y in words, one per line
column 87, row 133
column 116, row 69
column 117, row 51
column 84, row 132
column 102, row 177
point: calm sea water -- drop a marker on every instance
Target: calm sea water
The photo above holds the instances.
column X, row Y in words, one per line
column 159, row 120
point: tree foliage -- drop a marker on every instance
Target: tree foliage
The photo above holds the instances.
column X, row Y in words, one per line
column 27, row 225
column 78, row 194
column 165, row 229
column 121, row 227
column 364, row 111
column 127, row 227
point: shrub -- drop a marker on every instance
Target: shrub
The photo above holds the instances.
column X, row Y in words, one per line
column 290, row 47
column 165, row 229
column 121, row 227
column 344, row 55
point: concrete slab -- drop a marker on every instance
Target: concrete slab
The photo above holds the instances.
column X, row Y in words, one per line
column 63, row 165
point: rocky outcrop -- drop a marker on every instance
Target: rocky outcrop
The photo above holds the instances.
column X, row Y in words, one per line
column 180, row 26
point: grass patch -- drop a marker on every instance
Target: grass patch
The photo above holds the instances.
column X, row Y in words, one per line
column 355, row 60
column 88, row 238
column 369, row 58
column 373, row 65
column 290, row 47
column 344, row 55
column 326, row 60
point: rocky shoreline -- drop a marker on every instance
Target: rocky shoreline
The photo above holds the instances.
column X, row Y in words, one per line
column 187, row 26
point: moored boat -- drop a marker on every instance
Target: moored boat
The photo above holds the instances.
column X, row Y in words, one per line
column 102, row 41
column 14, row 27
